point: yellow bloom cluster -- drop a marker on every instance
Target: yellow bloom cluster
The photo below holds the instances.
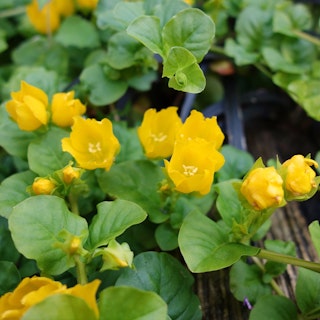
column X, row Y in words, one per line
column 30, row 108
column 267, row 187
column 47, row 19
column 33, row 290
column 192, row 146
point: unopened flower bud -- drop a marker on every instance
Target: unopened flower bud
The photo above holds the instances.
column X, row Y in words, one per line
column 70, row 173
column 43, row 186
column 300, row 177
column 263, row 188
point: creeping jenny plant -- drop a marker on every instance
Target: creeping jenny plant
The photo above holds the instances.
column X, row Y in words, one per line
column 93, row 208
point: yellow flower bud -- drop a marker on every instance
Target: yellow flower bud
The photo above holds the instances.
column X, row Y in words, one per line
column 28, row 107
column 263, row 189
column 300, row 177
column 43, row 186
column 64, row 107
column 70, row 173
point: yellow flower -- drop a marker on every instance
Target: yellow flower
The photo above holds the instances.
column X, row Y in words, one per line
column 45, row 19
column 158, row 131
column 64, row 107
column 300, row 177
column 70, row 173
column 92, row 143
column 33, row 290
column 190, row 2
column 87, row 4
column 263, row 189
column 43, row 186
column 192, row 166
column 28, row 107
column 197, row 126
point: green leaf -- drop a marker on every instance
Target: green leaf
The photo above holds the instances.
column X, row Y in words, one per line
column 191, row 29
column 205, row 245
column 237, row 163
column 124, row 303
column 246, row 282
column 77, row 32
column 41, row 52
column 45, row 154
column 272, row 268
column 277, row 62
column 137, row 181
column 35, row 225
column 112, row 219
column 228, row 203
column 314, row 229
column 254, row 28
column 13, row 140
column 122, row 51
column 130, row 144
column 308, row 292
column 275, row 308
column 163, row 274
column 146, row 29
column 60, row 306
column 289, row 17
column 102, row 90
column 184, row 72
column 8, row 251
column 240, row 54
column 166, row 237
column 13, row 190
column 9, row 276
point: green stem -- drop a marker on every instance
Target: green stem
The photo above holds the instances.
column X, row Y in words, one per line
column 273, row 283
column 282, row 258
column 306, row 36
column 12, row 12
column 81, row 270
column 263, row 69
column 217, row 49
column 73, row 201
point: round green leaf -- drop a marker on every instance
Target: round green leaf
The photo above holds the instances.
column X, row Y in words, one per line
column 35, row 224
column 205, row 244
column 13, row 191
column 126, row 303
column 163, row 274
column 146, row 29
column 136, row 181
column 45, row 154
column 101, row 89
column 78, row 32
column 60, row 306
column 275, row 308
column 112, row 219
column 166, row 237
column 192, row 29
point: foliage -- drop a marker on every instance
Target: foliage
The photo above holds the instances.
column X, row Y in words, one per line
column 101, row 190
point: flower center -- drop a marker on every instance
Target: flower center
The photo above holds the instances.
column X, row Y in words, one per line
column 189, row 170
column 93, row 148
column 158, row 137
